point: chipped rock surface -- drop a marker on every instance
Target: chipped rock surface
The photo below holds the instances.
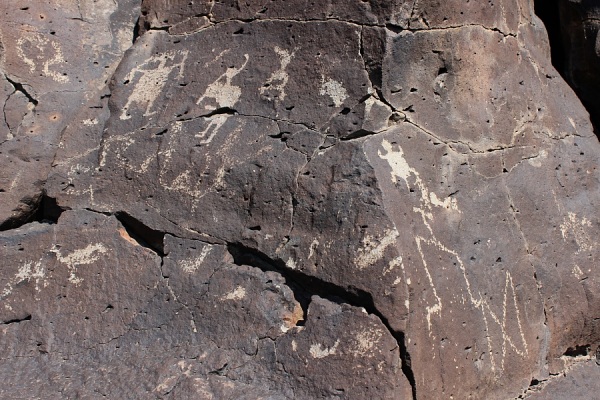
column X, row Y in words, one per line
column 265, row 199
column 56, row 57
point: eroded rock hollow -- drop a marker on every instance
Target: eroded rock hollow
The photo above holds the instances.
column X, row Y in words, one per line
column 292, row 200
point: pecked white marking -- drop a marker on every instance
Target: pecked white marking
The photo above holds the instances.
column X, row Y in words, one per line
column 320, row 351
column 88, row 255
column 237, row 294
column 191, row 266
column 334, row 89
column 154, row 74
column 428, row 204
column 43, row 45
column 576, row 228
column 279, row 79
column 222, row 91
column 374, row 249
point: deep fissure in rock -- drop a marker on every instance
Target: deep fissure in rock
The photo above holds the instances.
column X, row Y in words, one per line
column 17, row 320
column 305, row 286
column 42, row 209
column 144, row 235
column 577, row 351
column 548, row 12
column 19, row 87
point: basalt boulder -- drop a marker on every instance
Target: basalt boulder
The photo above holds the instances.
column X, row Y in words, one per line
column 267, row 199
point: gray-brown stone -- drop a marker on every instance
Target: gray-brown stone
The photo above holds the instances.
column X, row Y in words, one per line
column 374, row 199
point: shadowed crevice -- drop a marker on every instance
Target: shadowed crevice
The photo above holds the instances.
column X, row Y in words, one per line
column 144, row 235
column 305, row 286
column 17, row 320
column 42, row 209
column 573, row 40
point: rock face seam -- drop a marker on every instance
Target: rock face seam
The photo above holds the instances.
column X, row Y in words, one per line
column 306, row 286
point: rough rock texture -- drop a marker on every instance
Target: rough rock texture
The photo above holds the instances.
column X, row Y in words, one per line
column 578, row 383
column 268, row 199
column 56, row 57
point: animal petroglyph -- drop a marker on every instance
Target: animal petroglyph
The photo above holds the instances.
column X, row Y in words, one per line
column 279, row 79
column 40, row 53
column 430, row 204
column 85, row 256
column 152, row 76
column 222, row 91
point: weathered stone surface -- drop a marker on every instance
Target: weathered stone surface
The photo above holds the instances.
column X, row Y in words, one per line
column 378, row 199
column 55, row 57
column 82, row 300
column 579, row 382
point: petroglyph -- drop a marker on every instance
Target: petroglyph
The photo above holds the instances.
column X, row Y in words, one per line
column 192, row 265
column 507, row 339
column 334, row 89
column 576, row 228
column 39, row 52
column 152, row 77
column 291, row 264
column 88, row 255
column 123, row 141
column 364, row 343
column 90, row 122
column 28, row 271
column 429, row 204
column 577, row 272
column 279, row 79
column 374, row 249
column 185, row 181
column 237, row 294
column 401, row 170
column 320, row 351
column 212, row 129
column 31, row 270
column 222, row 91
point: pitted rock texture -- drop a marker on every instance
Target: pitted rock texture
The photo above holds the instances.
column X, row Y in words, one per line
column 578, row 383
column 268, row 199
column 56, row 58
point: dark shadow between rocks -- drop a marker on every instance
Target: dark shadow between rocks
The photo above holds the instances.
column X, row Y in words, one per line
column 144, row 235
column 306, row 286
column 42, row 209
column 573, row 55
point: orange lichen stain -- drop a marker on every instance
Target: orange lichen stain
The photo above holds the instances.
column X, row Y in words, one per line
column 291, row 319
column 126, row 236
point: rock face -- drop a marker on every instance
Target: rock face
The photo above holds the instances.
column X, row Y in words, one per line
column 268, row 199
column 56, row 58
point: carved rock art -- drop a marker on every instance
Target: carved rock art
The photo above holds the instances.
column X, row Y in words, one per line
column 268, row 199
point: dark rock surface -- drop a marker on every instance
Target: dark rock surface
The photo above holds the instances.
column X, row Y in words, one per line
column 56, row 58
column 267, row 199
column 578, row 383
